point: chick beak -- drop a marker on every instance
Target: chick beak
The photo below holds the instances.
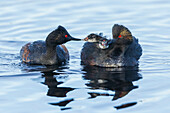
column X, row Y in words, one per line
column 85, row 39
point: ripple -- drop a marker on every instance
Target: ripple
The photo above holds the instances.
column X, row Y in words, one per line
column 73, row 87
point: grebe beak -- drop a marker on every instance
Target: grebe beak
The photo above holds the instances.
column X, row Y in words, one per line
column 85, row 39
column 76, row 39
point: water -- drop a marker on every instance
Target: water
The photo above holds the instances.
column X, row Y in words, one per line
column 74, row 88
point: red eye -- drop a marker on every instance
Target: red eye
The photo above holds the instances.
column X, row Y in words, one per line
column 66, row 36
column 119, row 36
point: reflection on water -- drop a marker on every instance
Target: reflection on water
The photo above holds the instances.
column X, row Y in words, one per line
column 89, row 89
column 52, row 84
column 55, row 90
column 111, row 79
column 42, row 68
column 126, row 105
column 117, row 80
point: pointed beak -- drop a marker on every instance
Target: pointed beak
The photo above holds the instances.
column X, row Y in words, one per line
column 85, row 39
column 76, row 39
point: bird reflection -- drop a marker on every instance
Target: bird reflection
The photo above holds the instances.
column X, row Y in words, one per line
column 118, row 80
column 54, row 90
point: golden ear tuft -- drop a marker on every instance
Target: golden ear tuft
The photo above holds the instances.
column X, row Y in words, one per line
column 125, row 32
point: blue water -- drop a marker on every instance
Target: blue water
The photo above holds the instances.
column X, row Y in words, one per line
column 73, row 88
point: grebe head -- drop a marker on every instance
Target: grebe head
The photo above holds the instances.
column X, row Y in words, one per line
column 59, row 36
column 120, row 32
column 93, row 38
column 102, row 42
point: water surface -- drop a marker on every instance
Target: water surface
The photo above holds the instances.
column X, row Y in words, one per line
column 73, row 88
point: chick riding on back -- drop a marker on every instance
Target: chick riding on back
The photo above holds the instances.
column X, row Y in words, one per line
column 122, row 50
